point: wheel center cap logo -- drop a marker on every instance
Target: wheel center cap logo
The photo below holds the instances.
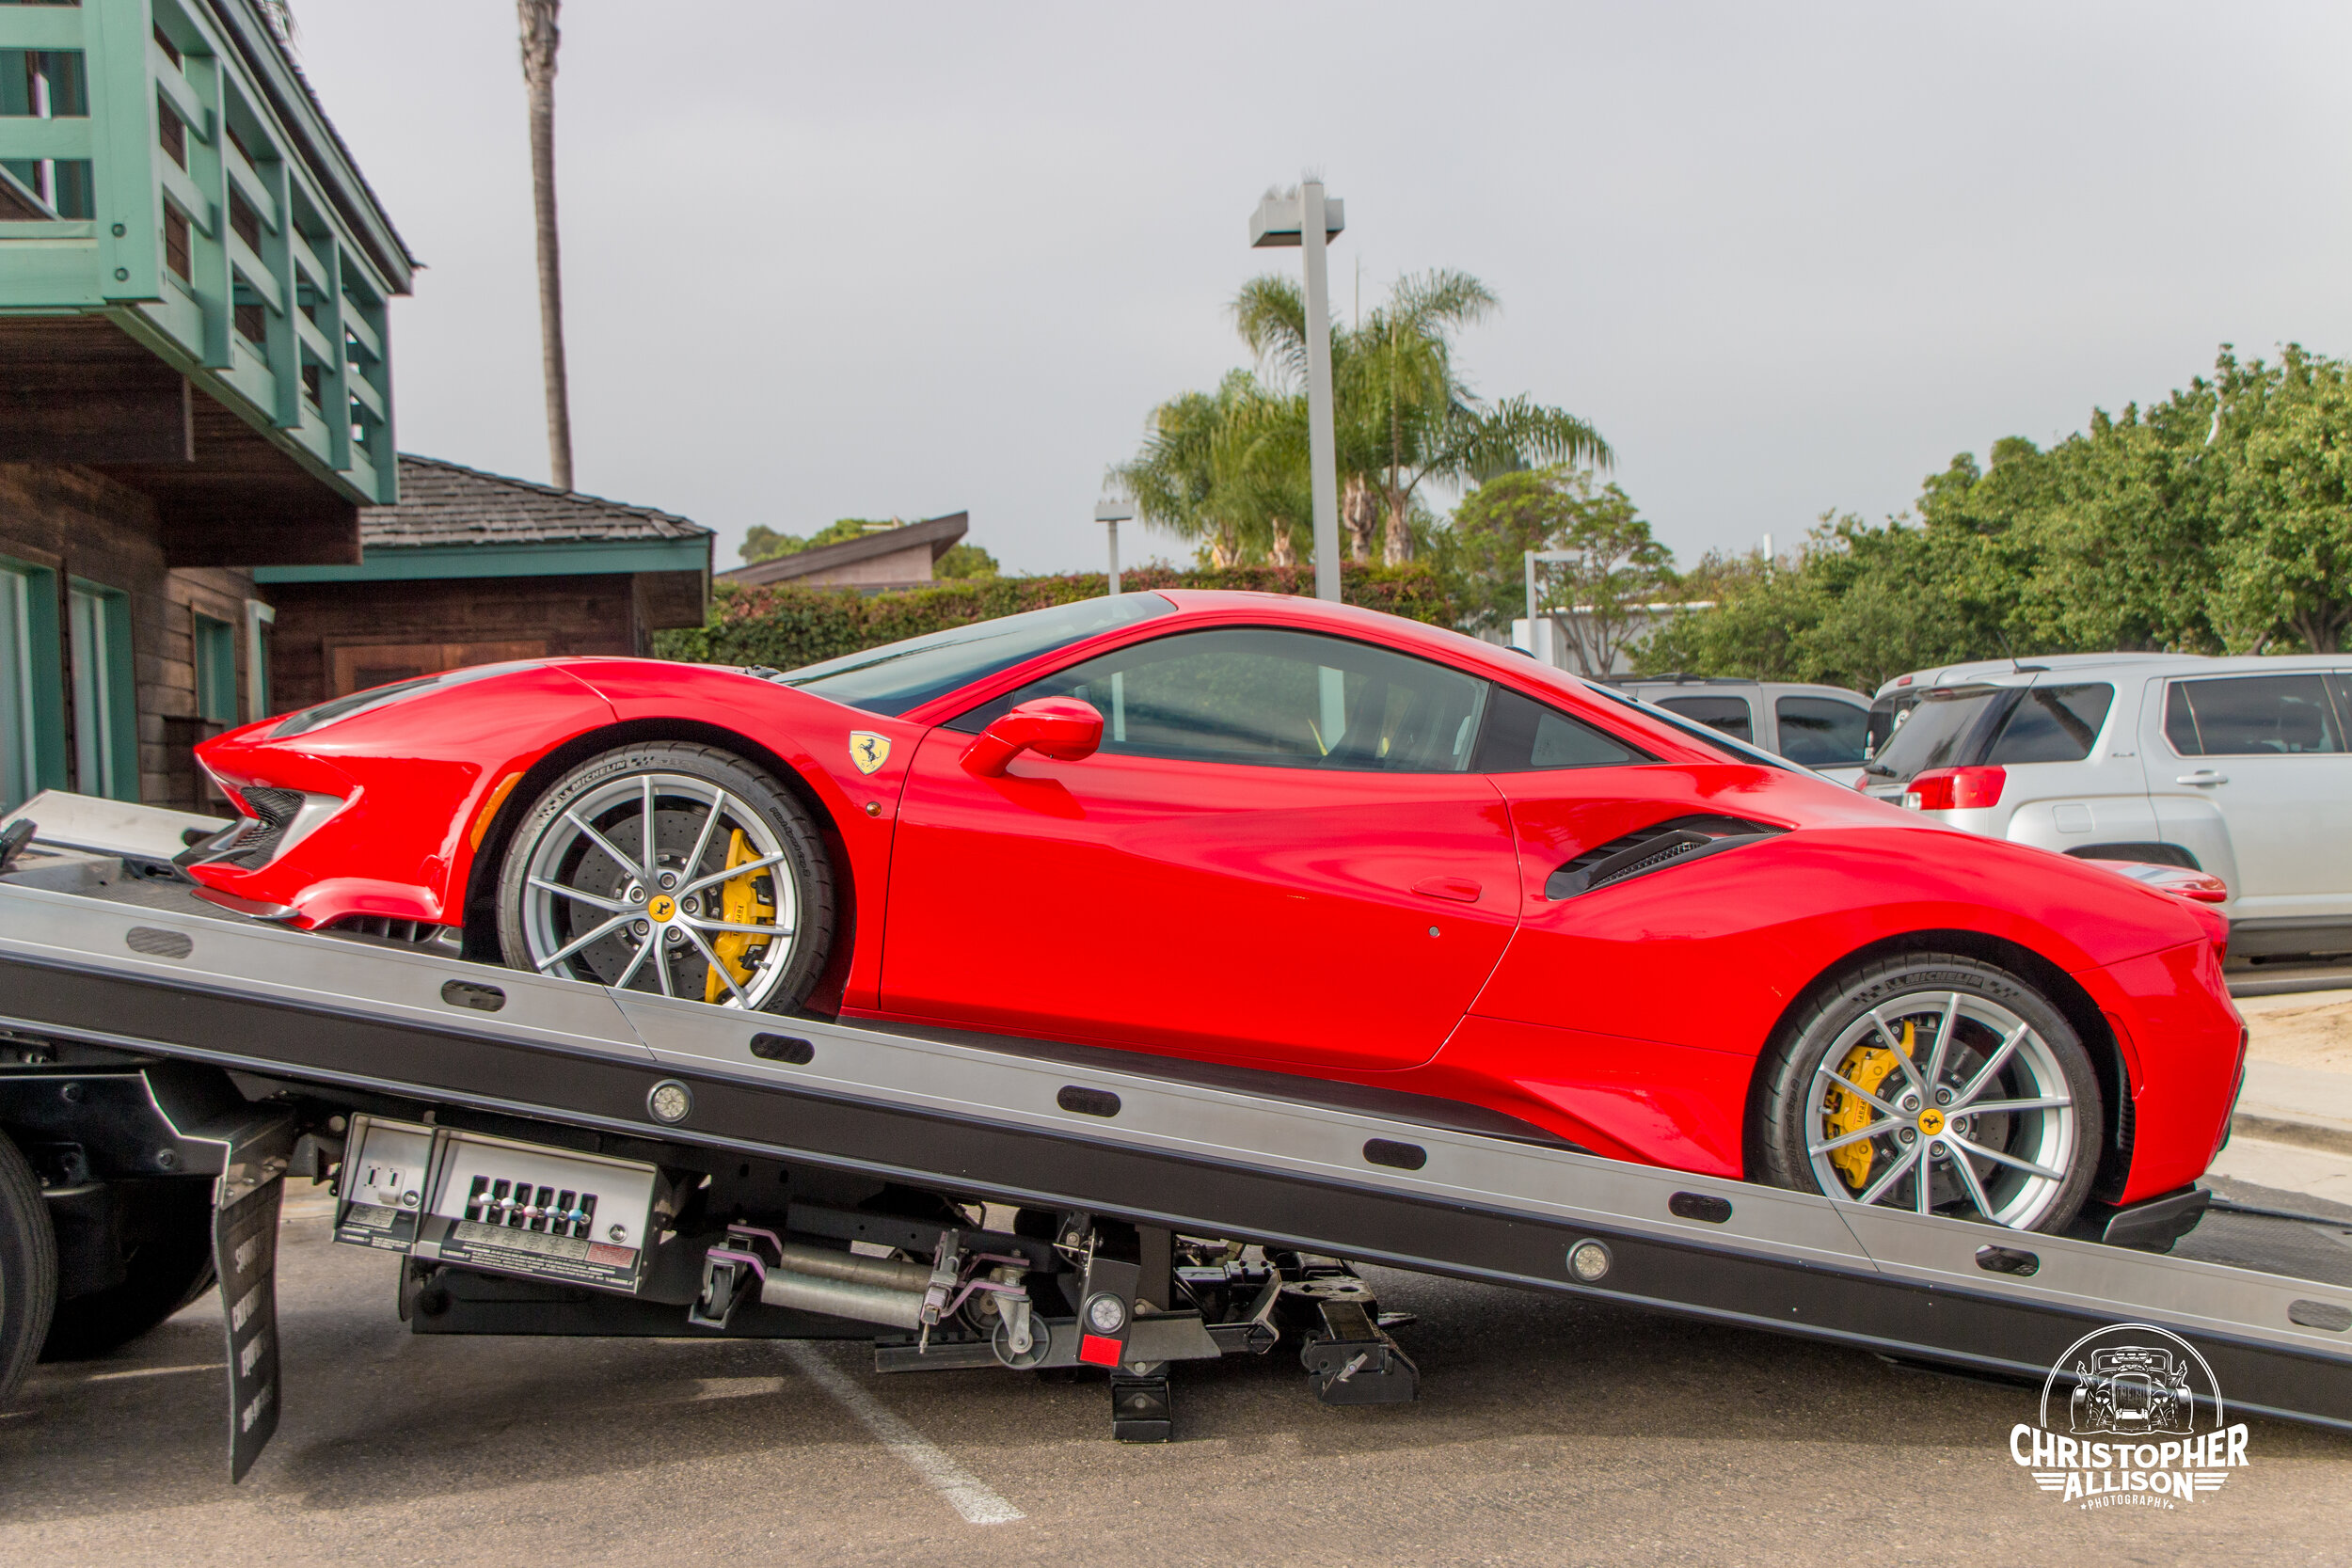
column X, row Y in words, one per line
column 1930, row 1122
column 661, row 906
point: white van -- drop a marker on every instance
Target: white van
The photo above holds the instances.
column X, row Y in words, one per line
column 2237, row 766
column 1826, row 728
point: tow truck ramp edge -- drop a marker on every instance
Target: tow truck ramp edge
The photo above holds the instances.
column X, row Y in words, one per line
column 472, row 1065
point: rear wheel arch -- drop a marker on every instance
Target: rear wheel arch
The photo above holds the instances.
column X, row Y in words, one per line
column 481, row 884
column 2061, row 990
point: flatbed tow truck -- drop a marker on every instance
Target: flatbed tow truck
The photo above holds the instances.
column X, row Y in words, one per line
column 551, row 1157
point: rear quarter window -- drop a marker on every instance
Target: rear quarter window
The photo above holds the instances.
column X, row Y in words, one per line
column 2054, row 723
column 1522, row 735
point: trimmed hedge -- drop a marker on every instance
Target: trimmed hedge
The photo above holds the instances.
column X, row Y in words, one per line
column 787, row 627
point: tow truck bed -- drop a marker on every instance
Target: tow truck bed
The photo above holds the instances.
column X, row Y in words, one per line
column 1305, row 1168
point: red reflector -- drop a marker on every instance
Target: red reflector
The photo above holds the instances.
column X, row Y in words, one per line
column 1955, row 788
column 1098, row 1349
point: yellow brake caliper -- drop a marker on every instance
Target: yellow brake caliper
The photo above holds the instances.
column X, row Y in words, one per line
column 1865, row 1068
column 739, row 904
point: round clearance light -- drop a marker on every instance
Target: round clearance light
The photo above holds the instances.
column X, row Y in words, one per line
column 669, row 1101
column 1107, row 1314
column 1589, row 1261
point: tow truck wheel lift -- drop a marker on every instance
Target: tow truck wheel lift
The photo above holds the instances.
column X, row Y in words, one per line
column 547, row 1157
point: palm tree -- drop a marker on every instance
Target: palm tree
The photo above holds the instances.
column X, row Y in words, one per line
column 1402, row 413
column 539, row 41
column 1227, row 470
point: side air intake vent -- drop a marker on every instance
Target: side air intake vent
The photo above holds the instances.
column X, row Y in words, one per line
column 275, row 811
column 1647, row 849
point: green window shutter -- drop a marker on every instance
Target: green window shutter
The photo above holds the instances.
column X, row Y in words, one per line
column 215, row 671
column 32, row 711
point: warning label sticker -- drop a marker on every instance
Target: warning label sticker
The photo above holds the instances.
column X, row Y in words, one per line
column 371, row 1225
column 573, row 1260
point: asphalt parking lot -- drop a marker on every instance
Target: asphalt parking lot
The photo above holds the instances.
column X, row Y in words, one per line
column 1546, row 1431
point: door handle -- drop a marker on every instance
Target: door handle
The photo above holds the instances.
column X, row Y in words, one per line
column 2203, row 776
column 1460, row 889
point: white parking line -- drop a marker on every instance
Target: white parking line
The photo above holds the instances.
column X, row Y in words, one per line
column 154, row 1372
column 965, row 1492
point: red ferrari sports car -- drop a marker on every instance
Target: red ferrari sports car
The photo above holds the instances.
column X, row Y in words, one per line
column 1255, row 830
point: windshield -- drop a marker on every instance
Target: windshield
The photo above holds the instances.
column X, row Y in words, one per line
column 899, row 675
column 1935, row 733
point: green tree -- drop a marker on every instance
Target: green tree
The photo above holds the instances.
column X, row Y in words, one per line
column 1860, row 604
column 2284, row 556
column 963, row 562
column 1617, row 564
column 1402, row 412
column 762, row 543
column 1225, row 470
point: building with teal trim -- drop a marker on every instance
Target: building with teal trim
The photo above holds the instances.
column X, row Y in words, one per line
column 472, row 568
column 195, row 378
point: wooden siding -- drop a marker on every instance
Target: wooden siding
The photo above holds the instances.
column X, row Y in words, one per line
column 331, row 638
column 78, row 523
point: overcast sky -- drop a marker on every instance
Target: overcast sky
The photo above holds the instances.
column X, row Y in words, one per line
column 825, row 260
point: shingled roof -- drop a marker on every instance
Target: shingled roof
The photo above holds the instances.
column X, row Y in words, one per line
column 443, row 503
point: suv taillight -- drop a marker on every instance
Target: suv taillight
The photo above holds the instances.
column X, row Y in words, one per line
column 1955, row 788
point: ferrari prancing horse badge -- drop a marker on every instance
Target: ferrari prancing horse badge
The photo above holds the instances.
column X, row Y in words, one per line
column 867, row 749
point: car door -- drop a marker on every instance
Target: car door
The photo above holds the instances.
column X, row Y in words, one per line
column 2266, row 753
column 1278, row 855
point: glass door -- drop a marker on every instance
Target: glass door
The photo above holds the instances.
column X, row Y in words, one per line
column 105, row 735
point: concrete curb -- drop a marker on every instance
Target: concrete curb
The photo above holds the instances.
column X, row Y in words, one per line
column 2302, row 1134
column 2288, row 982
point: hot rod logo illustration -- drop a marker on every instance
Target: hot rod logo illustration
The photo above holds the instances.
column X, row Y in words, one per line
column 2131, row 1417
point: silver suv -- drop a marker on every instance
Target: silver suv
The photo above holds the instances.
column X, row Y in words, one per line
column 2237, row 767
column 1825, row 728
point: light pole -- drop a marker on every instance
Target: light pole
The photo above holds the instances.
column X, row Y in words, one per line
column 1307, row 218
column 1538, row 642
column 1114, row 512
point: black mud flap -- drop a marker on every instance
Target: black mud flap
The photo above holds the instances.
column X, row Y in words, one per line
column 244, row 1248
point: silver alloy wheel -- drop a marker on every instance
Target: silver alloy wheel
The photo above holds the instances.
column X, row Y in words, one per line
column 629, row 888
column 1984, row 1124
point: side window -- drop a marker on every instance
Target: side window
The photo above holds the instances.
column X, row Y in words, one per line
column 215, row 671
column 1728, row 714
column 1522, row 735
column 2054, row 723
column 2251, row 716
column 1822, row 732
column 1270, row 699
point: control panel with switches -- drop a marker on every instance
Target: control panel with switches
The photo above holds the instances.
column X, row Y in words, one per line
column 478, row 1202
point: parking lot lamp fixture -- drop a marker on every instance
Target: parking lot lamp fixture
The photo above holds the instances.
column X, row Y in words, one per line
column 1114, row 512
column 1307, row 218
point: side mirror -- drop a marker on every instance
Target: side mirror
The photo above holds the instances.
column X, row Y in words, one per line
column 1063, row 728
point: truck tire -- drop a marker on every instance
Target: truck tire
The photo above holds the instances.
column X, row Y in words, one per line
column 167, row 1263
column 28, row 1269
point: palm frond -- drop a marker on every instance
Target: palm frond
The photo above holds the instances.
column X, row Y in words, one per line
column 1271, row 313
